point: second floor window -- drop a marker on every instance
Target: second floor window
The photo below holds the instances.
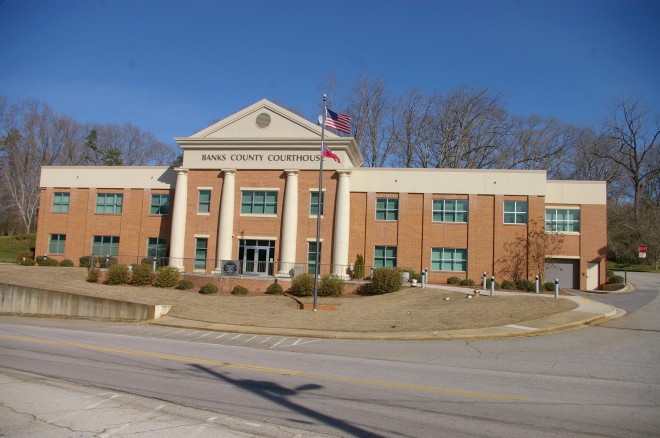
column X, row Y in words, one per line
column 61, row 202
column 258, row 202
column 204, row 201
column 515, row 212
column 562, row 219
column 160, row 204
column 450, row 210
column 387, row 209
column 314, row 203
column 109, row 203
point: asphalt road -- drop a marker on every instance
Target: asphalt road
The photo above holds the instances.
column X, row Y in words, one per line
column 596, row 381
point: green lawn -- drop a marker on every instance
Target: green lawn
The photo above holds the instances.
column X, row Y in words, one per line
column 630, row 268
column 10, row 246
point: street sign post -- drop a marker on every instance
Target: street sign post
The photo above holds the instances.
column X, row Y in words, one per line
column 642, row 251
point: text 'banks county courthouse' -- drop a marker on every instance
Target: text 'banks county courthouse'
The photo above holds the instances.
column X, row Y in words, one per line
column 248, row 192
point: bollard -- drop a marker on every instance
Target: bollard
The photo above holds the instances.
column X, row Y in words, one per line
column 483, row 282
column 371, row 275
column 537, row 284
column 492, row 285
column 556, row 288
column 423, row 279
column 154, row 264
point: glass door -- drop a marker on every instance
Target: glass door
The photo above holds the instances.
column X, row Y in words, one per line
column 256, row 256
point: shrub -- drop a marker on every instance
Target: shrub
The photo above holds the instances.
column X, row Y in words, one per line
column 508, row 285
column 66, row 263
column 150, row 261
column 142, row 275
column 25, row 258
column 453, row 280
column 239, row 290
column 85, row 262
column 275, row 289
column 467, row 282
column 525, row 285
column 106, row 262
column 46, row 261
column 302, row 285
column 615, row 279
column 208, row 289
column 331, row 286
column 167, row 276
column 117, row 274
column 358, row 267
column 610, row 273
column 386, row 280
column 93, row 275
column 185, row 284
column 549, row 286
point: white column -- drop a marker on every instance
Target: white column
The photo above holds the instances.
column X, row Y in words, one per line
column 178, row 232
column 226, row 226
column 342, row 225
column 289, row 224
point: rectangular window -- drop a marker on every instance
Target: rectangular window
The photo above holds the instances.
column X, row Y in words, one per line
column 311, row 256
column 449, row 259
column 314, row 203
column 61, row 202
column 156, row 247
column 200, row 253
column 515, row 212
column 385, row 257
column 109, row 203
column 562, row 220
column 105, row 245
column 204, row 201
column 258, row 202
column 387, row 209
column 450, row 210
column 160, row 204
column 56, row 244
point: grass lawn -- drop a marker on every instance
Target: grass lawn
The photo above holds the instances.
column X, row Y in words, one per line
column 10, row 246
column 631, row 268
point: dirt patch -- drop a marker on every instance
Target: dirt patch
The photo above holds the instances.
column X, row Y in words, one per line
column 411, row 309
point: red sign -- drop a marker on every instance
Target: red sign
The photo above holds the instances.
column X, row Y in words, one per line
column 642, row 248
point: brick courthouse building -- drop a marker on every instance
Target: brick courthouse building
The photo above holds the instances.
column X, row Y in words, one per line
column 247, row 197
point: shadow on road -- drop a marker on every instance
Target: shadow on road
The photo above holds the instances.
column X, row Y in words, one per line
column 281, row 395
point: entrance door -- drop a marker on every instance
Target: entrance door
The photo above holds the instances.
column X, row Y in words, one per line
column 592, row 276
column 256, row 256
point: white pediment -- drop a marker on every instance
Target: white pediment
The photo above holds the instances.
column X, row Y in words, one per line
column 262, row 120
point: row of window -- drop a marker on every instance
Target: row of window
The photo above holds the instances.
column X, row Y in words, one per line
column 264, row 202
column 108, row 245
column 442, row 259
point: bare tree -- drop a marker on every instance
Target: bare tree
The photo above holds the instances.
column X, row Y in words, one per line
column 635, row 131
column 411, row 116
column 369, row 109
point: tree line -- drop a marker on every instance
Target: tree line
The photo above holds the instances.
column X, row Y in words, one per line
column 33, row 135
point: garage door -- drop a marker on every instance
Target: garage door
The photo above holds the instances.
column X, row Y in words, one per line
column 567, row 271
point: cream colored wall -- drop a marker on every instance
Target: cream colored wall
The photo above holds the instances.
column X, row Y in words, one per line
column 576, row 192
column 459, row 181
column 119, row 177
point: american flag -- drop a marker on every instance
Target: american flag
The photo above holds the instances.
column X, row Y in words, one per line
column 340, row 122
column 327, row 152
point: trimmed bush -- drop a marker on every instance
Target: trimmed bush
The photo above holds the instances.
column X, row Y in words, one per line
column 525, row 285
column 615, row 279
column 453, row 280
column 358, row 267
column 85, row 262
column 275, row 289
column 508, row 285
column 106, row 262
column 302, row 285
column 331, row 286
column 610, row 273
column 167, row 276
column 185, row 284
column 66, row 263
column 25, row 258
column 142, row 275
column 239, row 290
column 208, row 289
column 549, row 286
column 386, row 280
column 467, row 282
column 117, row 274
column 93, row 275
column 46, row 261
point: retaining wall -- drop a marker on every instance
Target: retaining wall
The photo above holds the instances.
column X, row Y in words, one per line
column 22, row 300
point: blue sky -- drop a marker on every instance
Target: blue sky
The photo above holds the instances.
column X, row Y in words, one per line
column 172, row 67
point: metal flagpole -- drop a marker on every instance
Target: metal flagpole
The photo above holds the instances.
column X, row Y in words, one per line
column 318, row 212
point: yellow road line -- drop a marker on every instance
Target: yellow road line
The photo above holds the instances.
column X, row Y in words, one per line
column 196, row 360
